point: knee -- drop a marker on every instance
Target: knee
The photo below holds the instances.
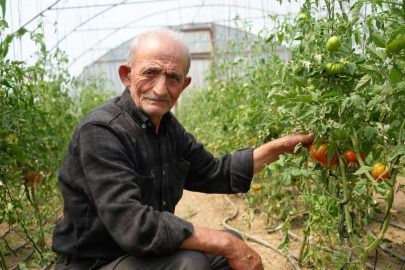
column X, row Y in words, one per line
column 193, row 260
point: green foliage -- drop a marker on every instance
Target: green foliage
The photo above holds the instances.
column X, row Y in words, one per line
column 37, row 117
column 257, row 96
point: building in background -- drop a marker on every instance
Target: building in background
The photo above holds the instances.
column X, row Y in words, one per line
column 202, row 40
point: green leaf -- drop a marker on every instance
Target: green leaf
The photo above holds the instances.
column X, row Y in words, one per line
column 363, row 82
column 331, row 151
column 376, row 54
column 3, row 7
column 297, row 147
column 386, row 241
column 395, row 76
column 378, row 40
column 275, row 83
column 368, row 67
column 363, row 170
column 370, row 132
column 360, row 186
column 300, row 81
column 286, row 179
column 356, row 10
column 397, row 151
column 21, row 32
column 357, row 36
column 22, row 265
column 395, row 34
column 351, row 67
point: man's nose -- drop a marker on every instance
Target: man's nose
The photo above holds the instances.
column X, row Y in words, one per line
column 160, row 87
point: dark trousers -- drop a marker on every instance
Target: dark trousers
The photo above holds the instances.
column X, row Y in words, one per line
column 181, row 259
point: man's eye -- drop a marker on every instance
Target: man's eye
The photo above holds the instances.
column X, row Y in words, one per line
column 174, row 77
column 150, row 72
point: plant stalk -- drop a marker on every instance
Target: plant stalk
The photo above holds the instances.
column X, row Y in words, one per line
column 348, row 217
column 3, row 260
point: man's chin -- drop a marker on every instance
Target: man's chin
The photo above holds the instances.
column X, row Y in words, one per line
column 154, row 112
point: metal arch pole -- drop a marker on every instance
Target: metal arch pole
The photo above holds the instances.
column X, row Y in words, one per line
column 39, row 14
column 139, row 19
column 91, row 18
column 107, row 5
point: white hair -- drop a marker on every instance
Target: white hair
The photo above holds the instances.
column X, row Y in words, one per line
column 172, row 34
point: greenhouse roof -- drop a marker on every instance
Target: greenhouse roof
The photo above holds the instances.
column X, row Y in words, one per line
column 88, row 29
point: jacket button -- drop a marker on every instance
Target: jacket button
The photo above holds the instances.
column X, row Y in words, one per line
column 143, row 126
column 164, row 202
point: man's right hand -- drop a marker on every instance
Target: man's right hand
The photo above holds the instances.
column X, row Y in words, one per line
column 239, row 255
column 243, row 257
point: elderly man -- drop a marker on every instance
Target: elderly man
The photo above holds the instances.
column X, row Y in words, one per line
column 127, row 165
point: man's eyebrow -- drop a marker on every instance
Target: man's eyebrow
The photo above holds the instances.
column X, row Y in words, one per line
column 152, row 69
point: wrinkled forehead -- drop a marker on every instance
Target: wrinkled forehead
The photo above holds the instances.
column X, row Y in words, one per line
column 162, row 48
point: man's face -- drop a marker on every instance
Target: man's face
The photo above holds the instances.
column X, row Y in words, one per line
column 158, row 76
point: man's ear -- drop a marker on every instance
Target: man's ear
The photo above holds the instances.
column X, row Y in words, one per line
column 125, row 75
column 187, row 82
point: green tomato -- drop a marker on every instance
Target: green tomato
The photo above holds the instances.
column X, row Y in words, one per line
column 303, row 16
column 2, row 92
column 334, row 68
column 311, row 87
column 397, row 45
column 341, row 135
column 251, row 112
column 223, row 90
column 241, row 107
column 316, row 218
column 333, row 44
column 245, row 85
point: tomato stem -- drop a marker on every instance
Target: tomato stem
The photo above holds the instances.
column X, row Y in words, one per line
column 3, row 260
column 348, row 217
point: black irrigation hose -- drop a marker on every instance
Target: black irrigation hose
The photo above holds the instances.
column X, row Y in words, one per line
column 26, row 258
column 393, row 224
column 396, row 255
column 262, row 242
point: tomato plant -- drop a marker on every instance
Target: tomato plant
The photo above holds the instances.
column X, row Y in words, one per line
column 352, row 97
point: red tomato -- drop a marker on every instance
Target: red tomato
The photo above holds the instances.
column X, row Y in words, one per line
column 378, row 169
column 34, row 177
column 321, row 155
column 351, row 157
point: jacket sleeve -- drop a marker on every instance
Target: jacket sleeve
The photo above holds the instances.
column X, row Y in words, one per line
column 113, row 186
column 228, row 174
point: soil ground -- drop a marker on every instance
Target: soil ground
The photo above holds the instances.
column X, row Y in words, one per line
column 209, row 211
